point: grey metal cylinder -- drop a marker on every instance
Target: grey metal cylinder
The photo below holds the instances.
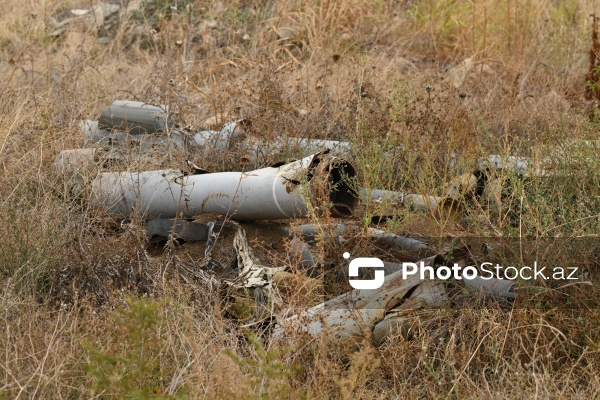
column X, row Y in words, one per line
column 134, row 117
column 267, row 193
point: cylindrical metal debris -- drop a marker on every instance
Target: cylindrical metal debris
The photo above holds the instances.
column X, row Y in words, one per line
column 267, row 193
column 134, row 117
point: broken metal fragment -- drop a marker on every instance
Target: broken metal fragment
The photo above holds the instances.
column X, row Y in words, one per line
column 157, row 229
column 124, row 144
column 351, row 314
column 413, row 201
column 428, row 294
column 76, row 161
column 251, row 274
column 400, row 242
column 267, row 193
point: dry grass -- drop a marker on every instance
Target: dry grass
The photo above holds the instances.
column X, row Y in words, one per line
column 86, row 312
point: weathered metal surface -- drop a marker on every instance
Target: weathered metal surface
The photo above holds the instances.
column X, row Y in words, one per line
column 411, row 200
column 311, row 231
column 135, row 117
column 251, row 274
column 301, row 252
column 76, row 161
column 493, row 286
column 350, row 315
column 429, row 294
column 157, row 229
column 400, row 242
column 123, row 144
column 267, row 193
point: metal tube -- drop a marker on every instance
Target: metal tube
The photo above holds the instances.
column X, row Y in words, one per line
column 311, row 231
column 301, row 252
column 400, row 242
column 414, row 201
column 189, row 231
column 493, row 286
column 267, row 193
column 260, row 151
column 146, row 143
column 135, row 117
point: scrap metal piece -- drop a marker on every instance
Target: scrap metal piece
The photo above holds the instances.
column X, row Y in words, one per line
column 190, row 231
column 493, row 286
column 351, row 314
column 135, row 117
column 400, row 242
column 251, row 273
column 267, row 193
column 76, row 161
column 310, row 232
column 411, row 200
column 123, row 143
column 301, row 251
column 428, row 294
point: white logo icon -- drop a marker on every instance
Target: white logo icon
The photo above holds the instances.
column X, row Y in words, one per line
column 366, row 262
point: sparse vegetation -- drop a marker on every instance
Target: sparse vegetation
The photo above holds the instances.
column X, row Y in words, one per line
column 88, row 311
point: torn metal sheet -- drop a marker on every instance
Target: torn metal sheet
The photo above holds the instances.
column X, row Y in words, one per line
column 428, row 294
column 351, row 314
column 251, row 274
column 157, row 229
column 267, row 193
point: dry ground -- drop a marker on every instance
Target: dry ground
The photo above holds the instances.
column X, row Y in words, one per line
column 85, row 311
